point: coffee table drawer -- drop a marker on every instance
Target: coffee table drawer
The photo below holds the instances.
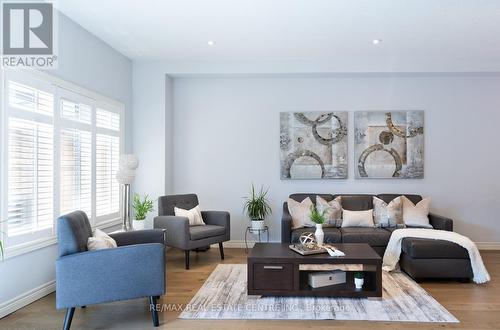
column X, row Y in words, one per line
column 273, row 276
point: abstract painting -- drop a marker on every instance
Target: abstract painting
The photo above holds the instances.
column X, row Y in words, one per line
column 313, row 145
column 389, row 144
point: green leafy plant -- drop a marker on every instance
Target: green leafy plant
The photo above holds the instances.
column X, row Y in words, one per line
column 257, row 205
column 142, row 207
column 358, row 275
column 316, row 216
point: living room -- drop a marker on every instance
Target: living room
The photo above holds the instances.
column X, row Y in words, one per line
column 249, row 164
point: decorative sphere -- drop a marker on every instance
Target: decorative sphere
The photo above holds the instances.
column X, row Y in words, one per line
column 128, row 162
column 307, row 239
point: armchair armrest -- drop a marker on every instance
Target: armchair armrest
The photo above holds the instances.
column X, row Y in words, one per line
column 177, row 229
column 139, row 237
column 106, row 275
column 218, row 218
column 286, row 225
column 440, row 222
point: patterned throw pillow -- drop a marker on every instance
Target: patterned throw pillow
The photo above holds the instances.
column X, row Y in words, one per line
column 300, row 213
column 388, row 215
column 332, row 209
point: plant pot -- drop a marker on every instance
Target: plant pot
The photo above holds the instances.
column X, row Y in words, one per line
column 319, row 234
column 138, row 224
column 257, row 225
column 358, row 283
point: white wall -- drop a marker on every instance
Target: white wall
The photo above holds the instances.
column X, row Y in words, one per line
column 87, row 61
column 226, row 135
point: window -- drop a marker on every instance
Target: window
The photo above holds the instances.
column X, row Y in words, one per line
column 60, row 152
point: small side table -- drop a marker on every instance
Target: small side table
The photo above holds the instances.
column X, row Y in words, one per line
column 260, row 232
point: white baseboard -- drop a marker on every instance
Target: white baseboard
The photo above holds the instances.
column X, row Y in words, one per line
column 488, row 245
column 26, row 298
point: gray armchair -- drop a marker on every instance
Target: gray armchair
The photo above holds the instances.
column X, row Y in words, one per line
column 185, row 237
column 135, row 269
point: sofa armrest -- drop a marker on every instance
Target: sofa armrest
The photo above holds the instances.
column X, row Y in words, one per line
column 106, row 275
column 139, row 237
column 440, row 222
column 286, row 225
column 177, row 229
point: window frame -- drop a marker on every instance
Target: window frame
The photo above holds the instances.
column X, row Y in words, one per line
column 59, row 88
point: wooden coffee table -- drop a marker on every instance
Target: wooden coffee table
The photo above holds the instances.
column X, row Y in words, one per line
column 275, row 270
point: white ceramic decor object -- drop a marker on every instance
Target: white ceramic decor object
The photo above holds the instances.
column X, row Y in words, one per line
column 319, row 234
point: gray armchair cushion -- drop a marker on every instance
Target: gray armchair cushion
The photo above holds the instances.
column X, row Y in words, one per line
column 139, row 237
column 200, row 232
column 332, row 235
column 73, row 231
column 371, row 236
column 166, row 204
column 107, row 275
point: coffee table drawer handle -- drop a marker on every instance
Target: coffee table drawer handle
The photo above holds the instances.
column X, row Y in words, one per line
column 274, row 267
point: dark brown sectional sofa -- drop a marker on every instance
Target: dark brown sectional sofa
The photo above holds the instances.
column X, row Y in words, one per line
column 420, row 258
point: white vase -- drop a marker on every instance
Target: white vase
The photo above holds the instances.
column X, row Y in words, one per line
column 138, row 224
column 257, row 225
column 358, row 283
column 319, row 234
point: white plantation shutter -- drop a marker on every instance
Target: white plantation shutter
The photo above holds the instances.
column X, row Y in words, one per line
column 60, row 148
column 30, row 200
column 76, row 111
column 107, row 188
column 108, row 119
column 76, row 171
column 30, row 99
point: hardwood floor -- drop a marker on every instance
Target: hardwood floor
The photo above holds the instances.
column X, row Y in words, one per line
column 476, row 306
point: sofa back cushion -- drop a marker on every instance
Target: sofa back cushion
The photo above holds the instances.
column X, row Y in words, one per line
column 356, row 202
column 301, row 196
column 389, row 197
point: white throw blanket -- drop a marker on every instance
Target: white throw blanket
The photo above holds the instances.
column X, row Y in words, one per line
column 393, row 251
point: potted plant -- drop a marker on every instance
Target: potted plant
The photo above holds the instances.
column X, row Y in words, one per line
column 257, row 208
column 358, row 280
column 319, row 219
column 141, row 209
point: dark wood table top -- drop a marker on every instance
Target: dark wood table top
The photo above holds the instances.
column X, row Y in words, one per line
column 354, row 253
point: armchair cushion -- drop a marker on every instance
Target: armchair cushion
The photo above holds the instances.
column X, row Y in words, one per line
column 139, row 237
column 94, row 277
column 200, row 232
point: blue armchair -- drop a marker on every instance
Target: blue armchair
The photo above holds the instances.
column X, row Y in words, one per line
column 135, row 269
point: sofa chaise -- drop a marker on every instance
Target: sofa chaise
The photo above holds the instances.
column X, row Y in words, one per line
column 420, row 258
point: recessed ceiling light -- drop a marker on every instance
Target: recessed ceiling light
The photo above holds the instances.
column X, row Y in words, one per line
column 376, row 41
column 211, row 43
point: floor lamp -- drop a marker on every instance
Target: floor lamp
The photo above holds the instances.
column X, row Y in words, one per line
column 125, row 176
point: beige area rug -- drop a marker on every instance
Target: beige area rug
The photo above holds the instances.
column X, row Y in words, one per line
column 224, row 296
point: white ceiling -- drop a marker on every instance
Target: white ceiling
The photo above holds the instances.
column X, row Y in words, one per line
column 465, row 33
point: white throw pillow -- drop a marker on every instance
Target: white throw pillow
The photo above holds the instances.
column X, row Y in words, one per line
column 194, row 215
column 300, row 213
column 357, row 218
column 388, row 215
column 100, row 240
column 332, row 211
column 416, row 215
